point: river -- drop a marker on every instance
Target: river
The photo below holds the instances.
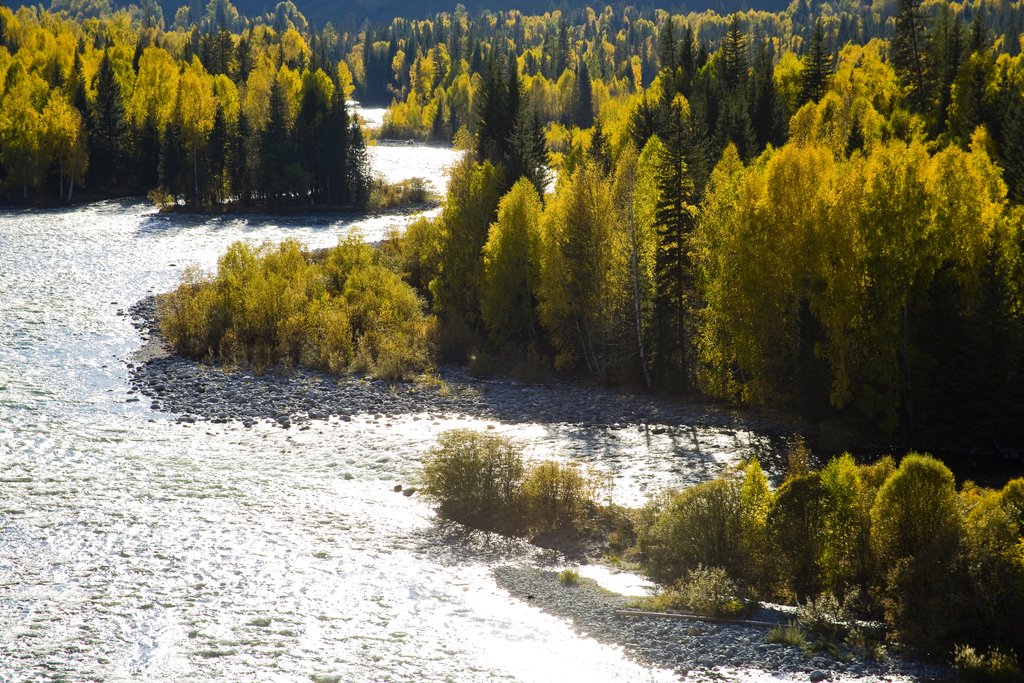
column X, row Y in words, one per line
column 138, row 548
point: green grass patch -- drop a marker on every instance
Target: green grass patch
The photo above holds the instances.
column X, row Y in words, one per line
column 789, row 634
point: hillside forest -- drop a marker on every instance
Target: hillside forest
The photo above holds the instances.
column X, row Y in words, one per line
column 816, row 209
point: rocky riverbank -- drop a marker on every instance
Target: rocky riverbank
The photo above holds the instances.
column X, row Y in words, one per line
column 704, row 649
column 193, row 392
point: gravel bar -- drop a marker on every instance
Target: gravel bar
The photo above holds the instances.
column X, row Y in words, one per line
column 697, row 649
column 214, row 393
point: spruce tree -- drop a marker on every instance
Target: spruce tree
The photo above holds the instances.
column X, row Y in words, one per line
column 585, row 113
column 817, row 63
column 767, row 110
column 734, row 56
column 562, row 56
column 493, row 129
column 908, row 52
column 109, row 127
column 239, row 180
column 675, row 219
column 687, row 65
column 667, row 47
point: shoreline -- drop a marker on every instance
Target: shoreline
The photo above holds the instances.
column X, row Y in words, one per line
column 705, row 649
column 219, row 393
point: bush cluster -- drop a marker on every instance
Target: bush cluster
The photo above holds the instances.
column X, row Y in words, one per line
column 942, row 566
column 482, row 481
column 335, row 310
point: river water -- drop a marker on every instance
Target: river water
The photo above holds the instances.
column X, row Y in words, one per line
column 138, row 548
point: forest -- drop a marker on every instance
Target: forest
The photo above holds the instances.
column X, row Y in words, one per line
column 816, row 209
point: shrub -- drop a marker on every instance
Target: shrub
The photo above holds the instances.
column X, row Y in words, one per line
column 790, row 634
column 826, row 616
column 481, row 480
column 569, row 577
column 755, row 502
column 795, row 530
column 558, row 494
column 846, row 524
column 385, row 195
column 997, row 667
column 916, row 514
column 708, row 590
column 701, row 525
column 477, row 479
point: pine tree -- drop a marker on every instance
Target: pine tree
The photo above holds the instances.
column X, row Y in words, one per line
column 908, row 51
column 735, row 63
column 675, row 219
column 493, row 126
column 109, row 126
column 562, row 56
column 817, row 63
column 275, row 144
column 767, row 110
column 239, row 180
column 585, row 113
column 947, row 55
column 667, row 48
column 687, row 65
column 529, row 154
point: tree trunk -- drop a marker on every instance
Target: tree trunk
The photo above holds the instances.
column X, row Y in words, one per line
column 195, row 170
column 61, row 197
column 636, row 287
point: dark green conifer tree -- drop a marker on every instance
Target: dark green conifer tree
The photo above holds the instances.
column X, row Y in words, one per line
column 675, row 219
column 562, row 56
column 357, row 170
column 493, row 125
column 239, row 174
column 735, row 63
column 817, row 72
column 109, row 128
column 216, row 152
column 529, row 154
column 275, row 147
column 908, row 53
column 171, row 164
column 667, row 49
column 767, row 110
column 687, row 64
column 585, row 113
column 946, row 54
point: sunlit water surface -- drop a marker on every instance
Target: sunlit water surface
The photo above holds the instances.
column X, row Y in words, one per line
column 137, row 548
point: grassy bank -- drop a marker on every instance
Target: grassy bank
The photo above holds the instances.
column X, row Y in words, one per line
column 941, row 566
